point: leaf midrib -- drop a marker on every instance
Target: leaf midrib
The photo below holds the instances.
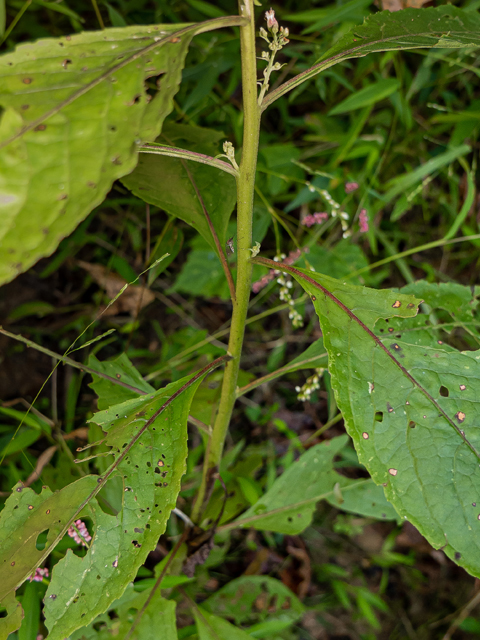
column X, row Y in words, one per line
column 299, row 274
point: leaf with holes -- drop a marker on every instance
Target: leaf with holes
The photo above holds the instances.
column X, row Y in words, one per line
column 411, row 409
column 446, row 27
column 148, row 439
column 459, row 301
column 75, row 110
column 184, row 185
column 25, row 516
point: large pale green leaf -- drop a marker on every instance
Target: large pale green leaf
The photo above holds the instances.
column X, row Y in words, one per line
column 148, row 438
column 443, row 27
column 75, row 110
column 411, row 409
column 172, row 183
column 250, row 599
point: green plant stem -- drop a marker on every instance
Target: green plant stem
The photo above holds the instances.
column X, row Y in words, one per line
column 245, row 193
column 98, row 14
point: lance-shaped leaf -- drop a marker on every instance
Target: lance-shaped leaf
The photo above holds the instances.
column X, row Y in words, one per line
column 288, row 505
column 148, row 438
column 175, row 184
column 75, row 110
column 411, row 409
column 443, row 27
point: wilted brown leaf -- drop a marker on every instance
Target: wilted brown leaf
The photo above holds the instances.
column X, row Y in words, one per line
column 134, row 298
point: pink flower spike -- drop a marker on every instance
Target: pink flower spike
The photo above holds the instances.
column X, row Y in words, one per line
column 316, row 218
column 80, row 534
column 363, row 221
column 39, row 575
column 350, row 187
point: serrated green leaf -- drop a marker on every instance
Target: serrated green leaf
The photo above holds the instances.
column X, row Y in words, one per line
column 366, row 96
column 150, row 460
column 444, row 27
column 123, row 370
column 75, row 110
column 412, row 411
column 212, row 627
column 254, row 599
column 24, row 517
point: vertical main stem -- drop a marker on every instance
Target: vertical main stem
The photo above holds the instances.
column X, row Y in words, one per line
column 245, row 192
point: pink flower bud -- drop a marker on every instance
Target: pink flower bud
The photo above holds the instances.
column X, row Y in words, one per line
column 363, row 221
column 351, row 186
column 272, row 23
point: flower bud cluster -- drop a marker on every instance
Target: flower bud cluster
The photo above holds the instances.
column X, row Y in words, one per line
column 312, row 384
column 286, row 285
column 229, row 151
column 39, row 575
column 343, row 215
column 277, row 38
column 79, row 533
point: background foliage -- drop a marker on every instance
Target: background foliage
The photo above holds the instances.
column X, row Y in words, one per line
column 403, row 127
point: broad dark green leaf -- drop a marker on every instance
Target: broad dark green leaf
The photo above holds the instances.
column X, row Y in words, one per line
column 444, row 27
column 150, row 469
column 253, row 599
column 172, row 183
column 411, row 409
column 75, row 110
